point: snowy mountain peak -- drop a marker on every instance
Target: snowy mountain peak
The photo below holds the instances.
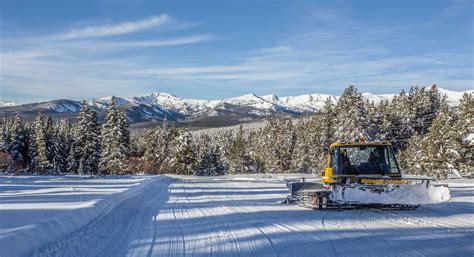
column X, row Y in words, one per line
column 4, row 103
column 453, row 97
column 271, row 98
column 377, row 98
column 156, row 106
column 246, row 98
column 163, row 95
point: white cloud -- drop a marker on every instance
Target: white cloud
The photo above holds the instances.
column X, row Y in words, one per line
column 163, row 42
column 116, row 29
column 315, row 61
column 457, row 7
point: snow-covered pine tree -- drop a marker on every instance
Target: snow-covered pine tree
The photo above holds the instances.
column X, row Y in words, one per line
column 81, row 138
column 323, row 135
column 237, row 152
column 375, row 117
column 437, row 153
column 87, row 140
column 252, row 161
column 284, row 145
column 302, row 158
column 444, row 145
column 436, row 104
column 6, row 129
column 60, row 141
column 157, row 144
column 32, row 149
column 183, row 155
column 465, row 127
column 124, row 133
column 19, row 143
column 208, row 158
column 72, row 159
column 42, row 162
column 352, row 117
column 328, row 117
column 223, row 141
column 49, row 137
column 112, row 154
column 412, row 158
column 396, row 124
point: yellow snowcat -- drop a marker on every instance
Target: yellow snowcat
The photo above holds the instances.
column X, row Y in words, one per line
column 365, row 174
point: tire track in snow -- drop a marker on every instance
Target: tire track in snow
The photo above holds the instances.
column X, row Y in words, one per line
column 223, row 228
column 267, row 238
column 426, row 227
column 252, row 245
column 155, row 212
column 385, row 242
column 298, row 228
column 249, row 220
column 183, row 242
column 454, row 223
column 88, row 240
column 281, row 226
column 163, row 243
column 198, row 212
column 151, row 206
column 323, row 223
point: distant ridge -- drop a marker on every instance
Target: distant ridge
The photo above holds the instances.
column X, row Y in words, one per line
column 158, row 106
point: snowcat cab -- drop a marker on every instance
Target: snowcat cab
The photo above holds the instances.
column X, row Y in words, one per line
column 363, row 173
column 348, row 161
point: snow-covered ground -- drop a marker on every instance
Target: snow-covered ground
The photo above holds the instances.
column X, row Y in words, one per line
column 215, row 216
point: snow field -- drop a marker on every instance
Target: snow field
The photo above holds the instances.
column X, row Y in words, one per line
column 234, row 216
column 35, row 211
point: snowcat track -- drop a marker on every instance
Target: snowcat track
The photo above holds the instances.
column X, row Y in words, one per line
column 320, row 200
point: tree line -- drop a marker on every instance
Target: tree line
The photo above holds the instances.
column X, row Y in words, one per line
column 428, row 134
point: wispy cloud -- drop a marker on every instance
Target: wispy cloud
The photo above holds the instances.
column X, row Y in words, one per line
column 164, row 42
column 85, row 62
column 457, row 7
column 116, row 29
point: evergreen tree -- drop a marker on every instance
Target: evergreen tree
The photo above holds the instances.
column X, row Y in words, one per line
column 42, row 163
column 223, row 143
column 465, row 127
column 302, row 158
column 183, row 155
column 396, row 123
column 72, row 159
column 123, row 131
column 49, row 137
column 87, row 140
column 237, row 152
column 375, row 117
column 157, row 145
column 327, row 122
column 6, row 129
column 437, row 153
column 352, row 117
column 60, row 142
column 209, row 158
column 19, row 143
column 115, row 140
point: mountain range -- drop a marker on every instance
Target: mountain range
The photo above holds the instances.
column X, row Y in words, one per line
column 157, row 106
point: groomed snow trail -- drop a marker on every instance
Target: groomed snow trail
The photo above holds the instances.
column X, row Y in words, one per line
column 228, row 217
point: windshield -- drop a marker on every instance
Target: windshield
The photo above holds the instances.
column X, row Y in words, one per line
column 359, row 160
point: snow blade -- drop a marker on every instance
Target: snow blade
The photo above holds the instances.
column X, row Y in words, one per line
column 415, row 194
column 296, row 187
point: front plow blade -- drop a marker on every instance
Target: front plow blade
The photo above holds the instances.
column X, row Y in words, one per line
column 415, row 194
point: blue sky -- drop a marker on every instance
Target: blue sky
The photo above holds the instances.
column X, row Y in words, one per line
column 216, row 49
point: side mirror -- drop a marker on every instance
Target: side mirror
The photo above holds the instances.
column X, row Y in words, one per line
column 325, row 149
